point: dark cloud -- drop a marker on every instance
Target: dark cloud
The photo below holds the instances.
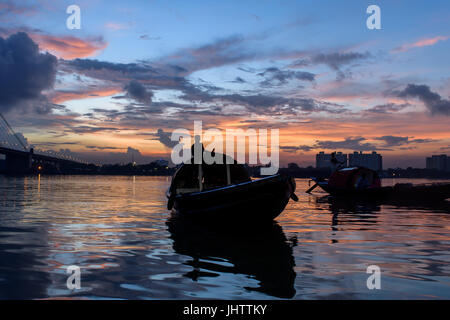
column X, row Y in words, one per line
column 295, row 149
column 433, row 101
column 219, row 53
column 24, row 73
column 274, row 76
column 264, row 104
column 388, row 108
column 163, row 137
column 334, row 60
column 138, row 92
column 102, row 148
column 251, row 121
column 238, row 80
column 392, row 141
column 52, row 144
column 160, row 77
column 124, row 68
column 92, row 129
column 133, row 153
column 352, row 143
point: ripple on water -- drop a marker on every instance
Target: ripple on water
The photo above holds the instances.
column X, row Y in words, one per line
column 117, row 229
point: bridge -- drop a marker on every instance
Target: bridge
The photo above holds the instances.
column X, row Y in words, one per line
column 20, row 158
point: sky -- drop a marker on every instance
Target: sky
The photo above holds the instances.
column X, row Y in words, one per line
column 135, row 71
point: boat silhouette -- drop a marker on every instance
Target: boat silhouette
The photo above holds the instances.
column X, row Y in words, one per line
column 262, row 253
column 364, row 183
column 226, row 191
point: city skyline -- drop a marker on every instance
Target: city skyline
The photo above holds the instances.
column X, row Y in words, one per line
column 116, row 88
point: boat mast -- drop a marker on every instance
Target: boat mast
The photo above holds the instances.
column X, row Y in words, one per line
column 200, row 177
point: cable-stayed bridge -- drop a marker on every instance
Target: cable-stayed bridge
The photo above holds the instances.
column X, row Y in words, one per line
column 20, row 158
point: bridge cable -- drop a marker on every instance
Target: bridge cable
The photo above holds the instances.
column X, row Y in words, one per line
column 14, row 134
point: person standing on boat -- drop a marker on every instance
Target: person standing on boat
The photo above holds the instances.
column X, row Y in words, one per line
column 197, row 158
column 197, row 150
column 335, row 163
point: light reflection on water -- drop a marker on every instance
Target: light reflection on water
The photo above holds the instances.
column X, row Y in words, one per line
column 117, row 229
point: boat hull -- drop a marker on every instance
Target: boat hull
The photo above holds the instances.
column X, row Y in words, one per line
column 258, row 200
column 430, row 192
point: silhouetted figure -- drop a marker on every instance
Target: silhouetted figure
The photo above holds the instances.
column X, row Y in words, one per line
column 197, row 150
column 336, row 164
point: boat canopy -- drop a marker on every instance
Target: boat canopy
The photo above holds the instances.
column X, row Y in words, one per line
column 354, row 178
column 187, row 178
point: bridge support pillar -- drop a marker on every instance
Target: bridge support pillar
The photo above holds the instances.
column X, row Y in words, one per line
column 18, row 164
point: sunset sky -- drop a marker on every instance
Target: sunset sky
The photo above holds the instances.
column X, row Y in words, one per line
column 137, row 70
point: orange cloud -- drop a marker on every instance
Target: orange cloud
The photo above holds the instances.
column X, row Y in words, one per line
column 69, row 47
column 63, row 96
column 421, row 43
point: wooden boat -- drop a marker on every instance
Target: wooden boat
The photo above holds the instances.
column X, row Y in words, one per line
column 226, row 191
column 359, row 182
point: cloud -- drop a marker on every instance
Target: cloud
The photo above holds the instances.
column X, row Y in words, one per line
column 433, row 101
column 64, row 47
column 133, row 152
column 10, row 10
column 353, row 143
column 81, row 129
column 221, row 52
column 392, row 141
column 60, row 96
column 295, row 149
column 349, row 143
column 138, row 92
column 126, row 72
column 70, row 47
column 388, row 108
column 24, row 71
column 238, row 80
column 164, row 77
column 335, row 60
column 103, row 148
column 163, row 137
column 262, row 103
column 421, row 43
column 275, row 76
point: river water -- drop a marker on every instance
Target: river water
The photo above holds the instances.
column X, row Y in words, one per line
column 119, row 232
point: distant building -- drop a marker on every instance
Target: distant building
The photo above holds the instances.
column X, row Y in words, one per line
column 323, row 160
column 372, row 160
column 439, row 162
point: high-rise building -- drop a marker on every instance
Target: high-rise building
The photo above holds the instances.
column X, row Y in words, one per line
column 372, row 160
column 323, row 160
column 438, row 162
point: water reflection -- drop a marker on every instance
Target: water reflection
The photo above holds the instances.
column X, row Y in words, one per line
column 263, row 253
column 23, row 247
column 117, row 230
